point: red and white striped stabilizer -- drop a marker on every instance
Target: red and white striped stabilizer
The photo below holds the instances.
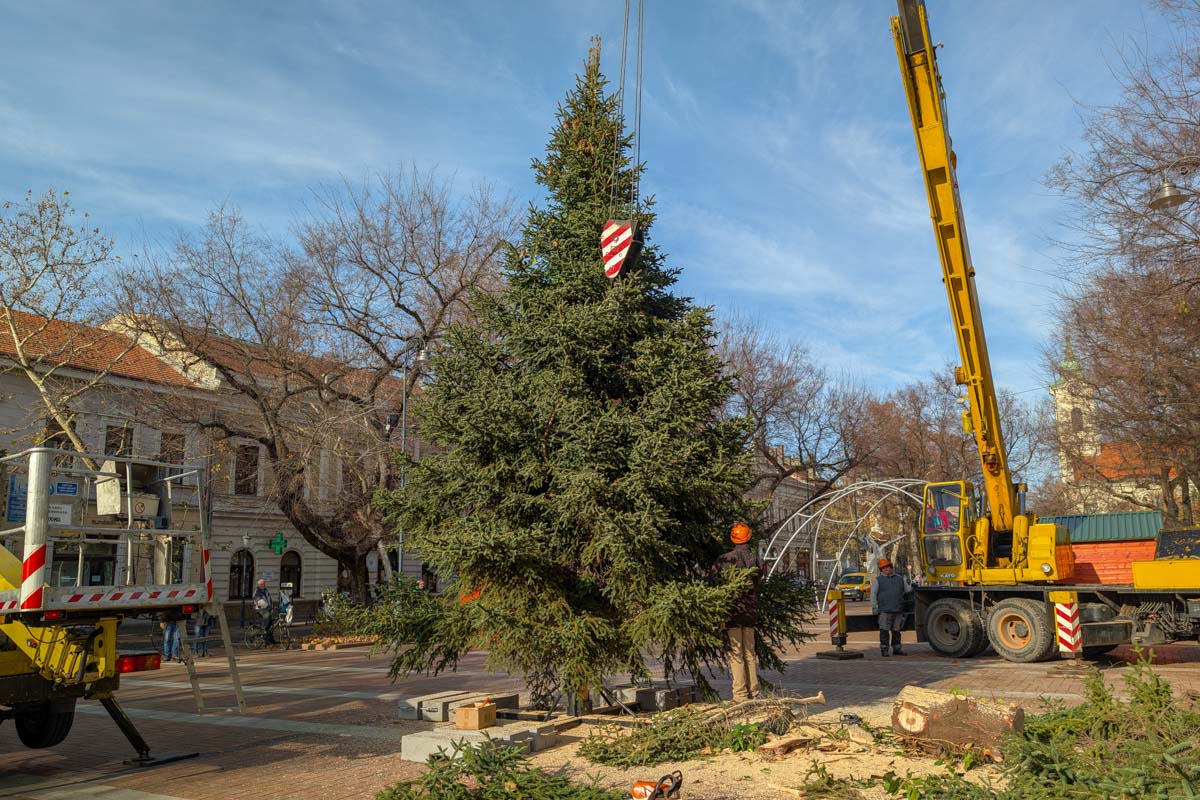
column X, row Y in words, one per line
column 208, row 576
column 835, row 629
column 132, row 595
column 33, row 578
column 1066, row 620
column 9, row 605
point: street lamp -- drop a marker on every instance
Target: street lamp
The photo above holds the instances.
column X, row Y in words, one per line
column 421, row 359
column 1170, row 194
column 242, row 578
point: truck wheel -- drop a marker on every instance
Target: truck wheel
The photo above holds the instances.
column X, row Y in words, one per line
column 1020, row 630
column 45, row 724
column 953, row 629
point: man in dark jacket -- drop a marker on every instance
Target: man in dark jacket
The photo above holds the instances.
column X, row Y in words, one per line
column 739, row 628
column 887, row 598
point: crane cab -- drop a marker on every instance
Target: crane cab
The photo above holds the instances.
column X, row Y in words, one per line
column 946, row 517
column 958, row 543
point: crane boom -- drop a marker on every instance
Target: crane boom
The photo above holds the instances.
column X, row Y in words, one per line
column 926, row 103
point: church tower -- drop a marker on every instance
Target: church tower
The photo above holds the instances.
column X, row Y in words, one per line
column 1074, row 403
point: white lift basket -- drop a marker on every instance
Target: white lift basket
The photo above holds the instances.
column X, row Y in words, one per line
column 98, row 534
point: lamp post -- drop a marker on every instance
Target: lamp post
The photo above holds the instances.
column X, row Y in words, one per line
column 1170, row 194
column 421, row 358
column 242, row 589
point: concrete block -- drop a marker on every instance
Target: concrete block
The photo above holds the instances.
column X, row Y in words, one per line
column 410, row 707
column 658, row 697
column 666, row 699
column 501, row 701
column 421, row 745
column 543, row 736
column 438, row 709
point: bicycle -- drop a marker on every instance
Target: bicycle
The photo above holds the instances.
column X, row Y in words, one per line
column 255, row 636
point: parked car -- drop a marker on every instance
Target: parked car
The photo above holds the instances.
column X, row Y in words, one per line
column 855, row 585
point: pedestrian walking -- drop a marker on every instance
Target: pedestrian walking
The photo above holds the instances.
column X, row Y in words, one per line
column 202, row 623
column 170, row 629
column 887, row 600
column 739, row 628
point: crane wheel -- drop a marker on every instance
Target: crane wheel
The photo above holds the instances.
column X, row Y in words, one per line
column 1021, row 630
column 953, row 629
column 45, row 724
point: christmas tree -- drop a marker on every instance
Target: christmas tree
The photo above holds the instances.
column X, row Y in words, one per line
column 586, row 476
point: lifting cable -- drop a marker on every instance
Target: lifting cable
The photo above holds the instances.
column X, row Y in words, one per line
column 620, row 239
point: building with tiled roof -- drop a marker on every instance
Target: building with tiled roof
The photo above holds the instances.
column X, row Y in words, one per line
column 52, row 344
column 1098, row 476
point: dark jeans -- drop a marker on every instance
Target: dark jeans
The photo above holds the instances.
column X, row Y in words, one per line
column 890, row 624
column 200, row 646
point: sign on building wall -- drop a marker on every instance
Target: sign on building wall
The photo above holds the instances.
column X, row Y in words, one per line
column 18, row 498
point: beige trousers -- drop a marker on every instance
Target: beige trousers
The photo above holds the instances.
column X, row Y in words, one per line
column 743, row 666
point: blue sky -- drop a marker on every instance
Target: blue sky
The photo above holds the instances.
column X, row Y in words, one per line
column 776, row 134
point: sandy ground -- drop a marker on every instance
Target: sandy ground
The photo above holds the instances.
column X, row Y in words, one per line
column 755, row 776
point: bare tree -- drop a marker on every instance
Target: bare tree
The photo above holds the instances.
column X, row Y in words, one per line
column 309, row 351
column 1134, row 284
column 1134, row 375
column 803, row 421
column 50, row 260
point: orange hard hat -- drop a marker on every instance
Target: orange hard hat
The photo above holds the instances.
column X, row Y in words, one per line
column 740, row 533
column 883, row 562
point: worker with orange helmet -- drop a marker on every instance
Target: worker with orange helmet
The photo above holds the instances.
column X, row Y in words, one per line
column 739, row 628
column 887, row 599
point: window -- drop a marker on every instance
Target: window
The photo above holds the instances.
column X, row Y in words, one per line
column 55, row 436
column 1076, row 420
column 942, row 550
column 245, row 469
column 118, row 440
column 241, row 576
column 289, row 571
column 942, row 505
column 171, row 448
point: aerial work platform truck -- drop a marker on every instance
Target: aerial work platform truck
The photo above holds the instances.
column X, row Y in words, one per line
column 88, row 541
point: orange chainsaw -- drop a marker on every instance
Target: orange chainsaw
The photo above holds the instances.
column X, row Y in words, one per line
column 665, row 788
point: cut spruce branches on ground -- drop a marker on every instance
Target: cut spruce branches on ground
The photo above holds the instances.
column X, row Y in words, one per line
column 489, row 771
column 695, row 731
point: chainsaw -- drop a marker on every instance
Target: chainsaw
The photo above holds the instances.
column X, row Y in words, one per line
column 665, row 788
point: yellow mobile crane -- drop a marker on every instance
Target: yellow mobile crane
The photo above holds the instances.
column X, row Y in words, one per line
column 994, row 574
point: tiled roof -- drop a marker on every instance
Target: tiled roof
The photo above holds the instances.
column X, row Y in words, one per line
column 1124, row 526
column 55, row 343
column 1117, row 461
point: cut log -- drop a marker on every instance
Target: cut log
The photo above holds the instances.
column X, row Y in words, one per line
column 947, row 722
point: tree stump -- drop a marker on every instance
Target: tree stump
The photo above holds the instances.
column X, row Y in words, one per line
column 946, row 721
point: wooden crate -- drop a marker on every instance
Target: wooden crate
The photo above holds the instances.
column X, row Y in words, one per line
column 475, row 717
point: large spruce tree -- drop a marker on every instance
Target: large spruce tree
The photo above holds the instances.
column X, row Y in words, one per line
column 586, row 477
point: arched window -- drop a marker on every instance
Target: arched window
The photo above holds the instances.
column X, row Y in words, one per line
column 241, row 575
column 289, row 571
column 1076, row 420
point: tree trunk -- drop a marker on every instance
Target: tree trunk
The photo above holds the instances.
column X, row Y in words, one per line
column 355, row 564
column 950, row 722
column 1170, row 509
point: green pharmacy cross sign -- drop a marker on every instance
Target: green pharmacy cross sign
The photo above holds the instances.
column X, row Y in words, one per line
column 278, row 543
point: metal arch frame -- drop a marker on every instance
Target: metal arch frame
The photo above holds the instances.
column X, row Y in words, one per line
column 823, row 504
